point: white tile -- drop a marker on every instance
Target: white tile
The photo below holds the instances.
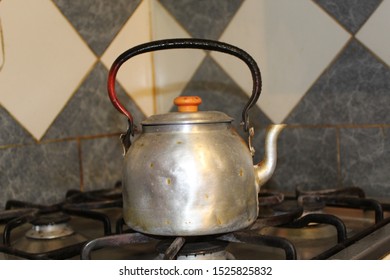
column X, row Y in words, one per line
column 45, row 61
column 2, row 50
column 292, row 42
column 375, row 32
column 135, row 75
column 173, row 68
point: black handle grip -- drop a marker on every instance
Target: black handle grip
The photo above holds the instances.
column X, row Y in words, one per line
column 186, row 44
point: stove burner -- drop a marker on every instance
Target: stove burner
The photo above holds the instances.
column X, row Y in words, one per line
column 314, row 199
column 51, row 236
column 205, row 247
column 50, row 226
column 213, row 249
column 311, row 226
column 51, row 219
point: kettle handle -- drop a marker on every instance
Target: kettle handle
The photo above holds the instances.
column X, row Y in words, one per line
column 186, row 43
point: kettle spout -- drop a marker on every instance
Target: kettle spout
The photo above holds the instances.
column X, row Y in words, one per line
column 265, row 169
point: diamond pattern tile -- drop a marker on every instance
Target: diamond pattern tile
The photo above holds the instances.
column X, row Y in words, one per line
column 354, row 90
column 45, row 61
column 2, row 48
column 362, row 150
column 11, row 132
column 375, row 33
column 90, row 112
column 39, row 173
column 292, row 41
column 105, row 172
column 136, row 75
column 352, row 14
column 173, row 68
column 98, row 21
column 205, row 18
column 306, row 156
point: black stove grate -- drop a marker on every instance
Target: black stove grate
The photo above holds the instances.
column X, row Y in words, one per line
column 76, row 203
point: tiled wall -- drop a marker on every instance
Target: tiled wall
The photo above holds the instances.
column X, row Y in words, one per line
column 324, row 63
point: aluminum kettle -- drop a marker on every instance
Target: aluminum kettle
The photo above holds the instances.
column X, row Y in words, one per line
column 189, row 173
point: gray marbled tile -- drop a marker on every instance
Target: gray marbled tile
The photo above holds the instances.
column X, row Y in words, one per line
column 90, row 112
column 97, row 21
column 306, row 156
column 365, row 158
column 352, row 14
column 203, row 18
column 102, row 162
column 355, row 89
column 220, row 93
column 10, row 130
column 39, row 173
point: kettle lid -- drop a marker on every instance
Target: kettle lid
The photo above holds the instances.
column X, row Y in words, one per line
column 188, row 114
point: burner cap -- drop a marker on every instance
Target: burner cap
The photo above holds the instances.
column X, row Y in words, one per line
column 50, row 226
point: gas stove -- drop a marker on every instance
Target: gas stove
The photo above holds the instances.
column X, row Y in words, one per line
column 310, row 224
column 59, row 231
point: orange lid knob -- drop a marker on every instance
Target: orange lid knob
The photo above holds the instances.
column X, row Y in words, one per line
column 187, row 103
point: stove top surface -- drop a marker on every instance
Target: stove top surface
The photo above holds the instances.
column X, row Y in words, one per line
column 342, row 228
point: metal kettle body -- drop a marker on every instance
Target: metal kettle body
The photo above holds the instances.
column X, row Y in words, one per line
column 193, row 179
column 189, row 173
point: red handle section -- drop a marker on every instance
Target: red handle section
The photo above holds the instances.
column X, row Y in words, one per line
column 112, row 94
